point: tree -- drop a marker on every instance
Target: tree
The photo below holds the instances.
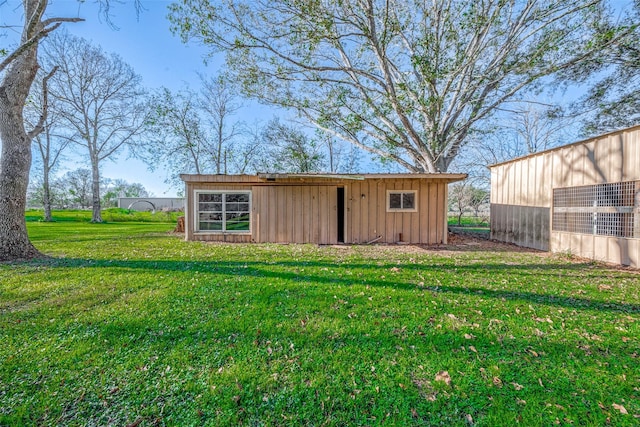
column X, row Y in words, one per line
column 100, row 100
column 47, row 145
column 57, row 198
column 249, row 155
column 219, row 103
column 404, row 80
column 613, row 101
column 194, row 132
column 113, row 189
column 290, row 149
column 536, row 128
column 341, row 156
column 459, row 199
column 78, row 187
column 477, row 198
column 177, row 136
column 464, row 196
column 20, row 66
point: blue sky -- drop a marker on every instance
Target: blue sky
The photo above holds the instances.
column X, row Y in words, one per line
column 144, row 42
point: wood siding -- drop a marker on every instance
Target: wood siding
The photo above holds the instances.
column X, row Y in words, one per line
column 291, row 211
column 522, row 191
column 367, row 218
column 295, row 214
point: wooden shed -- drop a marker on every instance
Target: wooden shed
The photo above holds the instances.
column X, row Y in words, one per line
column 318, row 208
column 582, row 198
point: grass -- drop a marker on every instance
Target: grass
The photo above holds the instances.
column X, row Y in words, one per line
column 129, row 325
column 108, row 215
column 469, row 225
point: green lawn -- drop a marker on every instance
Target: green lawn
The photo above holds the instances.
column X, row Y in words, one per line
column 108, row 215
column 468, row 221
column 130, row 325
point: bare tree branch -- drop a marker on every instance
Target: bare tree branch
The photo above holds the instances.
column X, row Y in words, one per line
column 411, row 78
column 37, row 129
column 47, row 27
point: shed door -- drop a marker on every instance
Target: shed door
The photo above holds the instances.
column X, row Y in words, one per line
column 340, row 212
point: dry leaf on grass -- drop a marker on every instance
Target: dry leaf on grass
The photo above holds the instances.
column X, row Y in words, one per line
column 620, row 408
column 444, row 377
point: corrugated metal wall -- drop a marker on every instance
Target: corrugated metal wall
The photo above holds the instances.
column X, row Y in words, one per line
column 522, row 189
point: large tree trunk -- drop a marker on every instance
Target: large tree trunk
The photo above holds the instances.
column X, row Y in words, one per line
column 46, row 194
column 16, row 150
column 16, row 157
column 95, row 190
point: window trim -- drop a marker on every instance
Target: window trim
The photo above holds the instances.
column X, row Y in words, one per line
column 196, row 216
column 404, row 210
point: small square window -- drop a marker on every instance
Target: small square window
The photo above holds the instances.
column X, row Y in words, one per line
column 404, row 201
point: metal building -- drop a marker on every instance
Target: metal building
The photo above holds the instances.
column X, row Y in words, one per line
column 582, row 199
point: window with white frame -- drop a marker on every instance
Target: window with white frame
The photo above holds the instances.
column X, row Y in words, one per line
column 402, row 201
column 223, row 211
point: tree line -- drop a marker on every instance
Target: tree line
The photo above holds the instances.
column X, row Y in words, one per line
column 421, row 84
column 97, row 107
column 74, row 190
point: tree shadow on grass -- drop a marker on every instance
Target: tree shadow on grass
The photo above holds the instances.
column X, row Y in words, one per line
column 442, row 274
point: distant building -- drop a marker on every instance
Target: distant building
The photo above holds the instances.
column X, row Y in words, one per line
column 151, row 203
column 582, row 198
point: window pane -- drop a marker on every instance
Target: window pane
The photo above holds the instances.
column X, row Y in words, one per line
column 395, row 201
column 237, row 197
column 215, row 226
column 209, row 197
column 408, row 200
column 237, row 216
column 210, row 216
column 237, row 225
column 211, row 207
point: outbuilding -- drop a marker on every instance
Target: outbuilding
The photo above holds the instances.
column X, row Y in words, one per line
column 581, row 199
column 318, row 208
column 152, row 203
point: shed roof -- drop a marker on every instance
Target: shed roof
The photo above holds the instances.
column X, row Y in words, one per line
column 311, row 177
